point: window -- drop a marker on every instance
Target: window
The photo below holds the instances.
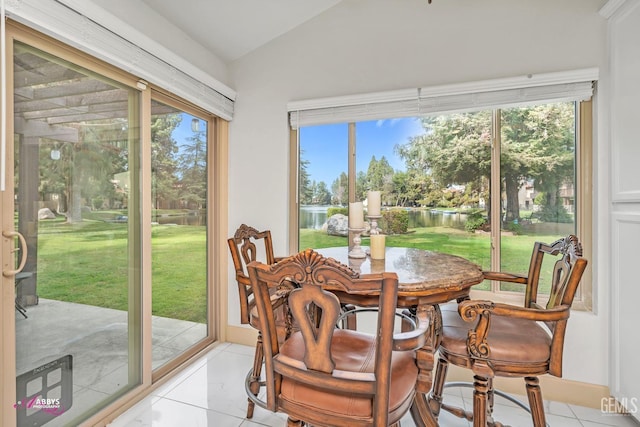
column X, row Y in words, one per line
column 483, row 184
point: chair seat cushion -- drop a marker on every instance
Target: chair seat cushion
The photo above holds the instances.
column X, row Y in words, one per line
column 352, row 351
column 511, row 340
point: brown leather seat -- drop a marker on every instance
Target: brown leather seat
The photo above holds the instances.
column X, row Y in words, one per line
column 494, row 339
column 352, row 352
column 325, row 376
column 512, row 341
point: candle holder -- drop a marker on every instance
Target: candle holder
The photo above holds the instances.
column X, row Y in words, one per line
column 356, row 251
column 355, row 264
column 373, row 221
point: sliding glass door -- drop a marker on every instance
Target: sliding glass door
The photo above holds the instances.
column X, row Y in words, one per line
column 106, row 210
column 74, row 227
column 107, row 207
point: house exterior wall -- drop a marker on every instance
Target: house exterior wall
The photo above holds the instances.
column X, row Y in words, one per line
column 358, row 47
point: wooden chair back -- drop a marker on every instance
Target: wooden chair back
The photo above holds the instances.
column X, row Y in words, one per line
column 568, row 249
column 566, row 272
column 316, row 310
column 247, row 245
column 565, row 278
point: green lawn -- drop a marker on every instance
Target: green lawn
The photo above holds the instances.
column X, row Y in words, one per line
column 515, row 249
column 88, row 263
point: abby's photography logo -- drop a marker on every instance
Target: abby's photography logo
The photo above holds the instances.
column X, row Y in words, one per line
column 50, row 406
column 623, row 406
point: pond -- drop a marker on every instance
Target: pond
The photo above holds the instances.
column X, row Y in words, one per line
column 192, row 219
column 315, row 216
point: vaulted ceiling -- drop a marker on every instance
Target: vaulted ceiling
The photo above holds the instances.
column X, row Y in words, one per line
column 233, row 28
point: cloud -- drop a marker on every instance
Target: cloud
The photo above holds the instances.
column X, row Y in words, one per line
column 391, row 122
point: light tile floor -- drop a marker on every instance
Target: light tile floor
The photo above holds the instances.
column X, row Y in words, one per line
column 211, row 393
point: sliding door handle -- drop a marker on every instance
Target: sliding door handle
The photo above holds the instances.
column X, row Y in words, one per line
column 22, row 248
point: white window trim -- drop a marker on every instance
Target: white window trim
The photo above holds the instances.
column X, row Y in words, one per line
column 95, row 31
column 576, row 85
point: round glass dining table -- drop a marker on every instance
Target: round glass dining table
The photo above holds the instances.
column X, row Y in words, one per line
column 425, row 279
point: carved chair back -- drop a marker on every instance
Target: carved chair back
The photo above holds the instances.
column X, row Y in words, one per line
column 247, row 245
column 565, row 278
column 316, row 310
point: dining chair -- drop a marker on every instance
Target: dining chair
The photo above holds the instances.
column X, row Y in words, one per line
column 247, row 245
column 501, row 340
column 323, row 375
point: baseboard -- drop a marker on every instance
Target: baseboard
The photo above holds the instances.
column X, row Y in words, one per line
column 553, row 388
column 242, row 335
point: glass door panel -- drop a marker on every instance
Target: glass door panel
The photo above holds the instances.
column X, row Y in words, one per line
column 179, row 231
column 76, row 185
column 538, row 175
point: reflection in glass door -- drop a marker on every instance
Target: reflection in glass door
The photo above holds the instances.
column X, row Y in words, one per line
column 179, row 231
column 76, row 185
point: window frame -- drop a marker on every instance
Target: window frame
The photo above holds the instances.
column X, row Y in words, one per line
column 583, row 163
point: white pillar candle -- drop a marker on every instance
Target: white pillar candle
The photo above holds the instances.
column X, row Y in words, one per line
column 356, row 217
column 377, row 246
column 373, row 203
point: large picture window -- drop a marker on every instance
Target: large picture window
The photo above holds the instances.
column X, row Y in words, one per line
column 485, row 184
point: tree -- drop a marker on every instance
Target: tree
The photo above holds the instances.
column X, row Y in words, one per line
column 540, row 144
column 379, row 173
column 164, row 163
column 92, row 163
column 537, row 143
column 306, row 192
column 456, row 149
column 340, row 190
column 379, row 177
column 410, row 188
column 192, row 165
column 322, row 194
column 362, row 186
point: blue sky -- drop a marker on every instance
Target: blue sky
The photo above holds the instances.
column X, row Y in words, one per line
column 184, row 131
column 325, row 147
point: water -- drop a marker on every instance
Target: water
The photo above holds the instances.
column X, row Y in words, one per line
column 197, row 220
column 315, row 216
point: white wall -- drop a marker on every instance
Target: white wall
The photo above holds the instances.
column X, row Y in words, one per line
column 625, row 203
column 377, row 45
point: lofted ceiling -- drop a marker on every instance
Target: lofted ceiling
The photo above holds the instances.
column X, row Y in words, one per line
column 233, row 28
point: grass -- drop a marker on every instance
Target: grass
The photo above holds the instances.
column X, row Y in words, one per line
column 515, row 249
column 88, row 262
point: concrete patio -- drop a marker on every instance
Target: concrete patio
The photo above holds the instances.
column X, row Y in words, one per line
column 97, row 339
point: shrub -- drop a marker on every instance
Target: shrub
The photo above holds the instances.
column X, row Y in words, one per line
column 555, row 214
column 514, row 227
column 475, row 220
column 395, row 221
column 337, row 210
